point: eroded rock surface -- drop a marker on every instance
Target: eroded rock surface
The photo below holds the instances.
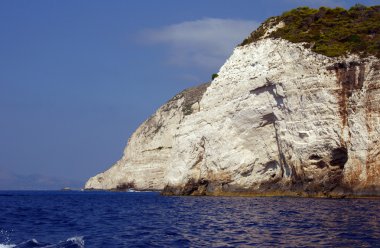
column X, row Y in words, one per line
column 279, row 119
column 149, row 149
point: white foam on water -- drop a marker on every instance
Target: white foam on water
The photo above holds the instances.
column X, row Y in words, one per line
column 7, row 246
column 4, row 235
column 76, row 240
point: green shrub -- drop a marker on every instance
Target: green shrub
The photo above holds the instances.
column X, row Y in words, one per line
column 213, row 76
column 329, row 31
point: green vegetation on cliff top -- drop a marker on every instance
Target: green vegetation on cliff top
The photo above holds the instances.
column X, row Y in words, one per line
column 331, row 32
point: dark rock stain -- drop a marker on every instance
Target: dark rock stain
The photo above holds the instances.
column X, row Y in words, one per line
column 350, row 77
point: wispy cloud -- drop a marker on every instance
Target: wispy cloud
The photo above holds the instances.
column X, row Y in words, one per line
column 206, row 42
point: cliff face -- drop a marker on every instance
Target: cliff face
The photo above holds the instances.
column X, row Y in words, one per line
column 279, row 119
column 148, row 153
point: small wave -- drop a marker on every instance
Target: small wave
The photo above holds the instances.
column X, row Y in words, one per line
column 5, row 238
column 74, row 242
column 7, row 246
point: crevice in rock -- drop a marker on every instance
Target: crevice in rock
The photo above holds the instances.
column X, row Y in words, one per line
column 268, row 119
column 283, row 165
column 328, row 173
column 321, row 164
column 315, row 157
column 318, row 161
column 271, row 165
column 267, row 87
column 339, row 157
column 192, row 187
column 200, row 146
column 125, row 186
column 247, row 172
column 158, row 149
column 272, row 89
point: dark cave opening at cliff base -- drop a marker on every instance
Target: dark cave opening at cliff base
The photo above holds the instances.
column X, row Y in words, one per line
column 339, row 157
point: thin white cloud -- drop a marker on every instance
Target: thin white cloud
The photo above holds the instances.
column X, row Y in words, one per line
column 206, row 42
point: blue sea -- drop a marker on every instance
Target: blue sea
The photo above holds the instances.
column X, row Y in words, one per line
column 146, row 219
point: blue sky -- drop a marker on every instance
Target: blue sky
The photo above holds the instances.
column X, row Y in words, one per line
column 78, row 77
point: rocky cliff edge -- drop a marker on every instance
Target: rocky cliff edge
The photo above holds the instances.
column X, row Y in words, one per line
column 280, row 119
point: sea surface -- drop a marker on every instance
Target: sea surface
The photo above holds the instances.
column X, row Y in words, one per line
column 146, row 219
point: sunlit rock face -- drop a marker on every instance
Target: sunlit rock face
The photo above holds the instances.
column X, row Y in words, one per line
column 148, row 153
column 279, row 119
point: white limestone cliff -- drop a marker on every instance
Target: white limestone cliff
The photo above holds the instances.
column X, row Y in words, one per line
column 278, row 118
column 149, row 149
